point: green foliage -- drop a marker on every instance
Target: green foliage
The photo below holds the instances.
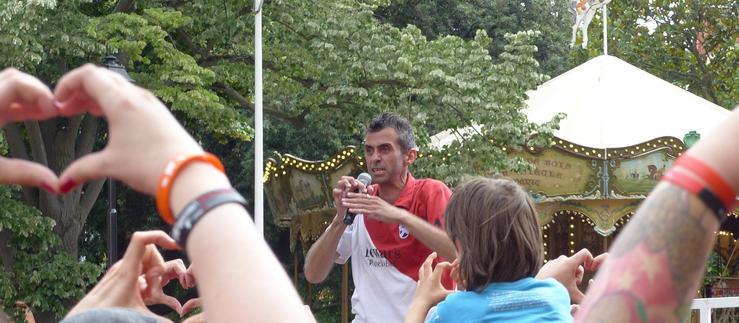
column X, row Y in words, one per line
column 691, row 44
column 38, row 274
column 438, row 18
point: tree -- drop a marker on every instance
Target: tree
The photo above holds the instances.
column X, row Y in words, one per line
column 692, row 44
column 438, row 18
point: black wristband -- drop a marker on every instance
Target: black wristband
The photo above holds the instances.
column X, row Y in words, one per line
column 197, row 208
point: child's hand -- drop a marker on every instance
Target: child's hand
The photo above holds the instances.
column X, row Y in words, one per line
column 569, row 271
column 454, row 273
column 430, row 291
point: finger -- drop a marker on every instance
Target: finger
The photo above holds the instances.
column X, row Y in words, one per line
column 371, row 190
column 142, row 284
column 358, row 196
column 190, row 305
column 199, row 318
column 99, row 84
column 175, row 268
column 598, row 261
column 78, row 103
column 90, row 167
column 361, row 211
column 425, row 268
column 439, row 270
column 576, row 296
column 137, row 246
column 579, row 273
column 23, row 172
column 582, row 257
column 172, row 303
column 573, row 309
column 190, row 277
column 28, row 91
column 153, row 283
column 591, row 282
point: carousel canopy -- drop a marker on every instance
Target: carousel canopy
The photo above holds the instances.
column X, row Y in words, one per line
column 611, row 103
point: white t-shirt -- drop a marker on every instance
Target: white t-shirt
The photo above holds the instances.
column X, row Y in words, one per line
column 382, row 294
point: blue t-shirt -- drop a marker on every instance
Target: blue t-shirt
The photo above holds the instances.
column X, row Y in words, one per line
column 525, row 300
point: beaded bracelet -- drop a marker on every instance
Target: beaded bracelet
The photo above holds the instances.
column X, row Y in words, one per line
column 197, row 208
column 168, row 176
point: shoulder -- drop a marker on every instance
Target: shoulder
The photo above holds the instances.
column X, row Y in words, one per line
column 431, row 186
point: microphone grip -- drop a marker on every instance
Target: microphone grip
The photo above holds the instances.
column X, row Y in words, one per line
column 349, row 216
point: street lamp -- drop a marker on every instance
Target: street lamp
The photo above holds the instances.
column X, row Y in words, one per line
column 111, row 63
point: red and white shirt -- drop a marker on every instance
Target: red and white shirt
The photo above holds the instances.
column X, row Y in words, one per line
column 386, row 257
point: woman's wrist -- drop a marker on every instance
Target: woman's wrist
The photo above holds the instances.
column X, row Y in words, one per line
column 194, row 180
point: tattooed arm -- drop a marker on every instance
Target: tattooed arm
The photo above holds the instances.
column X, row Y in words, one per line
column 655, row 267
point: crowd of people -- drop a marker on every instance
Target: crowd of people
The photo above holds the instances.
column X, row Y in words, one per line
column 420, row 251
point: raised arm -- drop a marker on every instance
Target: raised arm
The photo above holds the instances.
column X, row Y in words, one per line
column 656, row 265
column 322, row 254
column 239, row 278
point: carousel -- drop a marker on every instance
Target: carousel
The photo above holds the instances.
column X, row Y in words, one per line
column 624, row 128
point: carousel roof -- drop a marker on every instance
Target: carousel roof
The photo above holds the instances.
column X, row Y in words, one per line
column 610, row 103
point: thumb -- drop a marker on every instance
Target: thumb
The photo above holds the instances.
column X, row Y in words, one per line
column 87, row 168
column 190, row 305
column 23, row 172
column 576, row 296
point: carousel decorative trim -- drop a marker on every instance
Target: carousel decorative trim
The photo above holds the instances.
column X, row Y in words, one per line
column 673, row 147
column 579, row 150
column 274, row 169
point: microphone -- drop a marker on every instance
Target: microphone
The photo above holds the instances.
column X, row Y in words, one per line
column 365, row 179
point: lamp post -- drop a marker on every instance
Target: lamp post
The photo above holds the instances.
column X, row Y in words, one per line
column 111, row 63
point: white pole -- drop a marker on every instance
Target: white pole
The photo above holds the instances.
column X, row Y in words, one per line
column 605, row 30
column 258, row 130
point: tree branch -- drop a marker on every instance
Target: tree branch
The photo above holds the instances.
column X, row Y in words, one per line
column 86, row 140
column 92, row 192
column 38, row 148
column 243, row 102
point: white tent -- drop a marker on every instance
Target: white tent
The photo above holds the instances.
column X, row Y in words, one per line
column 610, row 103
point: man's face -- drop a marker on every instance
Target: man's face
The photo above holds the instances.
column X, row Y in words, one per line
column 385, row 160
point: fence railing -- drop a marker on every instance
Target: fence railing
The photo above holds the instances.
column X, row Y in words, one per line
column 705, row 305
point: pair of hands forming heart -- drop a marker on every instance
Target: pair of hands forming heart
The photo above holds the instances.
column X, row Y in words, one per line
column 570, row 271
column 137, row 280
column 143, row 137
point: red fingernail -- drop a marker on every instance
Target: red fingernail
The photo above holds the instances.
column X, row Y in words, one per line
column 68, row 186
column 48, row 188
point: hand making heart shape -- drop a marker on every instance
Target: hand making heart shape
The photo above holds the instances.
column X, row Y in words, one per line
column 152, row 135
column 569, row 271
column 143, row 137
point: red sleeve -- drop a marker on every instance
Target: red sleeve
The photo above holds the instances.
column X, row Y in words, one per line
column 436, row 204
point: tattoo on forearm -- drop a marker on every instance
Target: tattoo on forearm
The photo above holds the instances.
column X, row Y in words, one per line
column 656, row 264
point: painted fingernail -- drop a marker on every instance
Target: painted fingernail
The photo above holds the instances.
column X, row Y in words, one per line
column 68, row 186
column 48, row 188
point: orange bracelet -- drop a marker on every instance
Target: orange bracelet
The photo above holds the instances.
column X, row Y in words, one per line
column 168, row 176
